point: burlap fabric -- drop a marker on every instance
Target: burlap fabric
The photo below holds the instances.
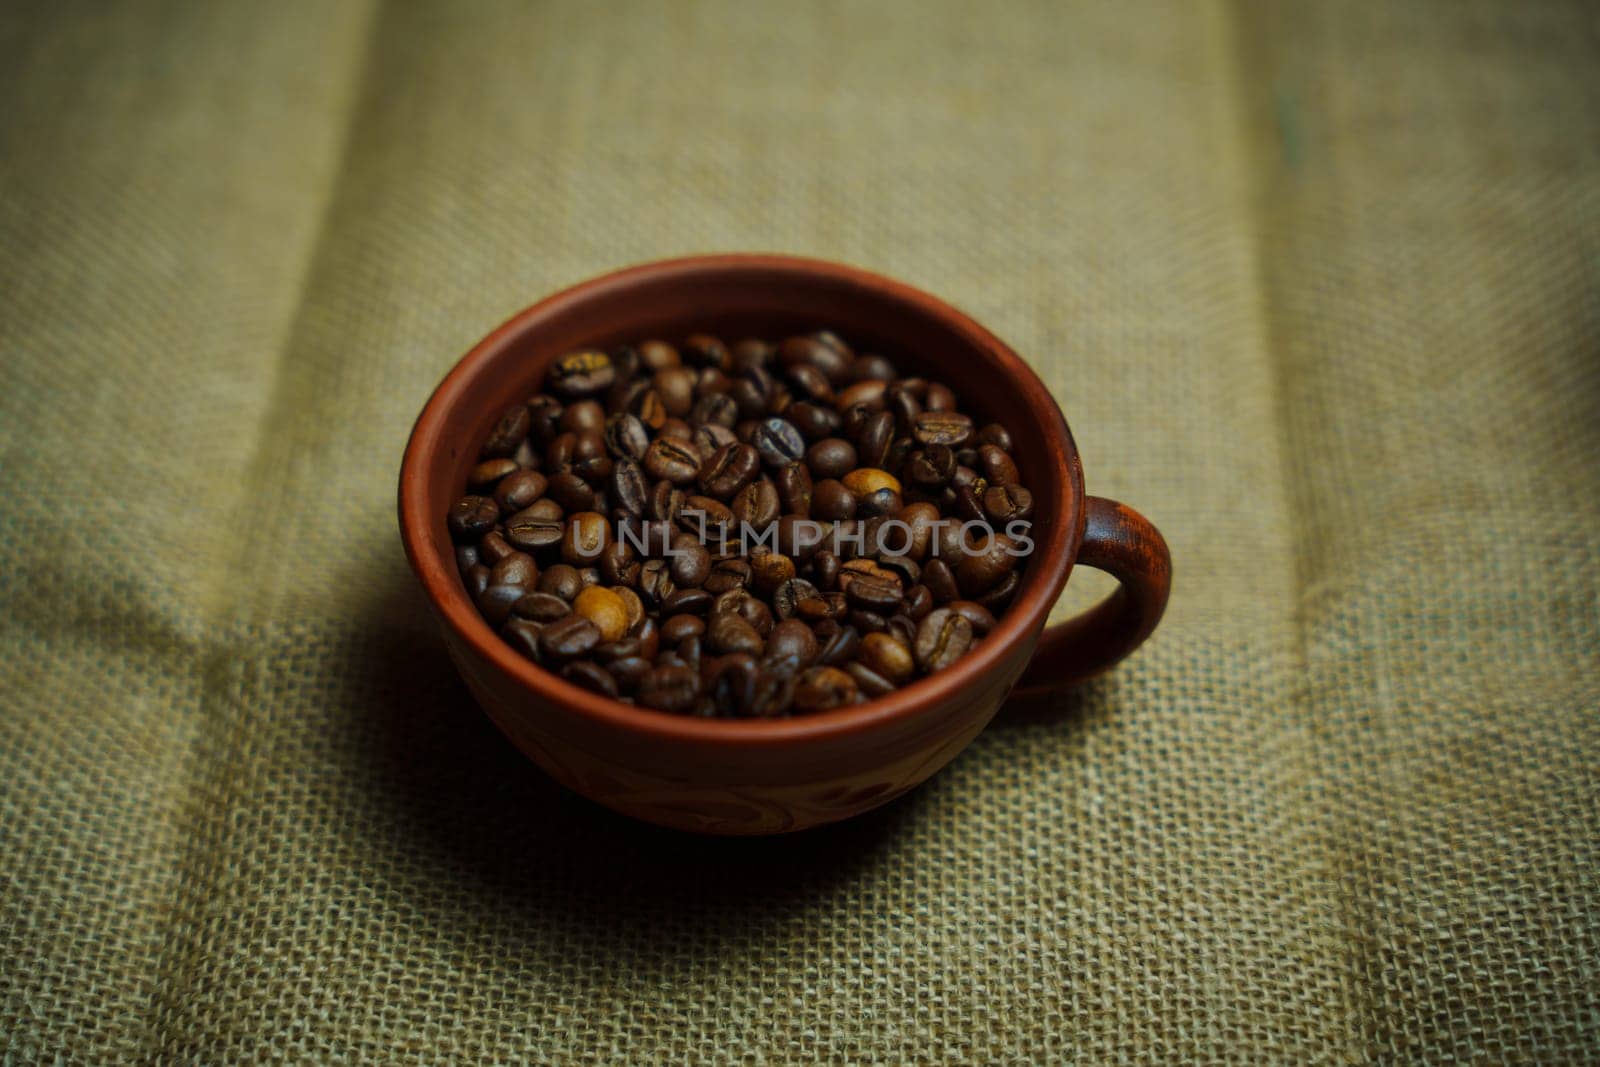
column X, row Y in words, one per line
column 1317, row 286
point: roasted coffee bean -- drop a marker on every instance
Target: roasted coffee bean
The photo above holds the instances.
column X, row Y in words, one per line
column 571, row 492
column 833, row 457
column 708, row 518
column 673, row 460
column 879, row 504
column 467, row 555
column 472, row 517
column 994, row 434
column 490, row 471
column 533, row 534
column 795, row 489
column 866, row 393
column 996, row 598
column 757, row 505
column 888, row 656
column 523, row 636
column 942, row 638
column 868, row 622
column 541, row 607
column 476, row 580
column 872, row 592
column 825, row 570
column 665, row 502
column 562, row 580
column 677, row 627
column 793, row 637
column 582, row 373
column 773, row 689
column 730, row 632
column 493, row 548
column 585, row 540
column 655, row 355
column 778, row 442
column 674, row 389
column 820, row 688
column 874, row 440
column 545, row 413
column 591, row 676
column 655, row 582
column 731, row 681
column 768, row 571
column 788, row 594
column 518, row 569
column 707, row 439
column 831, row 501
column 871, row 367
column 932, row 467
column 628, row 487
column 495, row 601
column 704, row 350
column 815, row 353
column 949, row 428
column 728, row 470
column 870, row 682
column 669, row 689
column 740, row 602
column 628, row 671
column 902, row 627
column 939, row 397
column 1007, row 503
column 517, row 491
column 509, row 432
column 728, row 574
column 987, row 566
column 568, row 638
column 688, row 601
column 822, row 606
column 690, row 562
column 981, row 618
column 583, row 416
column 841, row 647
column 809, row 383
column 626, row 436
column 997, row 466
column 634, row 607
column 589, row 576
column 919, row 601
column 814, row 421
column 864, row 481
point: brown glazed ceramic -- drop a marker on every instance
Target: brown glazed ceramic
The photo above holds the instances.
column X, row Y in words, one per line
column 768, row 776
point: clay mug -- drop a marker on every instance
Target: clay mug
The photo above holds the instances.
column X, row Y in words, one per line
column 728, row 776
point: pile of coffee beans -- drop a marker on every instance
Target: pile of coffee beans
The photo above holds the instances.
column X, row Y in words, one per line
column 749, row 531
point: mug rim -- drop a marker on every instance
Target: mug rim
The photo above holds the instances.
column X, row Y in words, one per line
column 1052, row 559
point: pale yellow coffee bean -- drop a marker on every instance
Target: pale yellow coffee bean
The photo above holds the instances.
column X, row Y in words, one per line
column 605, row 609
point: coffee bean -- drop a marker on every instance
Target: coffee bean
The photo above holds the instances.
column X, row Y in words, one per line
column 814, row 421
column 674, row 389
column 509, row 431
column 864, row 481
column 740, row 602
column 486, row 474
column 888, row 656
column 519, row 490
column 704, row 350
column 626, row 436
column 467, row 555
column 932, row 467
column 872, row 592
column 688, row 601
column 628, row 671
column 875, row 439
column 591, row 676
column 665, row 502
column 655, row 355
column 523, row 636
column 728, row 574
column 997, row 466
column 988, row 565
column 690, row 562
column 757, row 505
column 655, row 582
column 833, row 457
column 728, row 470
column 472, row 517
column 942, row 638
column 995, row 434
column 778, row 442
column 770, row 570
column 605, row 609
column 1007, row 503
column 822, row 606
column 583, row 416
column 495, row 601
column 980, row 617
column 793, row 637
column 731, row 633
column 870, row 682
column 571, row 492
column 831, row 501
column 996, row 598
column 541, row 607
column 919, row 601
column 533, row 534
column 672, row 460
column 518, row 569
column 582, row 373
column 788, row 595
column 677, row 627
column 949, row 428
column 567, row 638
column 841, row 647
column 476, row 580
column 669, row 689
column 773, row 689
column 795, row 490
column 813, row 352
column 820, row 688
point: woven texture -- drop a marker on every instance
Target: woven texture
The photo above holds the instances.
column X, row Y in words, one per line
column 1318, row 287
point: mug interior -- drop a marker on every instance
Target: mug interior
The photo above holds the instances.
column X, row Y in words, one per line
column 735, row 297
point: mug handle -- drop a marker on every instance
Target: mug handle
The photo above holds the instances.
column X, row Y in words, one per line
column 1123, row 543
